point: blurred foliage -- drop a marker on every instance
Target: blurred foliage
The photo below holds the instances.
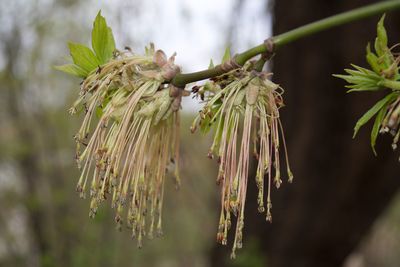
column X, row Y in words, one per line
column 42, row 221
column 380, row 247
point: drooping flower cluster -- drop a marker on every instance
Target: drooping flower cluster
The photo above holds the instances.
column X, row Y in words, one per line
column 126, row 154
column 243, row 109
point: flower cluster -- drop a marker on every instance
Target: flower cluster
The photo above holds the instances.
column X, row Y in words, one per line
column 251, row 99
column 129, row 136
column 126, row 154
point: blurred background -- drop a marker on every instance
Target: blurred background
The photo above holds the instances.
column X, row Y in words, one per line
column 342, row 210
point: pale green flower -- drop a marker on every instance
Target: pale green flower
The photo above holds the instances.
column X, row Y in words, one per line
column 136, row 137
column 243, row 109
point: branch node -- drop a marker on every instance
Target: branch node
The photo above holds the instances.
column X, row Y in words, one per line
column 230, row 64
column 270, row 46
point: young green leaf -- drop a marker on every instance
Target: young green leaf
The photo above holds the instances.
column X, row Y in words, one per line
column 372, row 60
column 366, row 72
column 72, row 69
column 102, row 39
column 83, row 57
column 371, row 112
column 211, row 65
column 381, row 49
column 149, row 50
column 381, row 34
column 360, row 79
column 227, row 54
column 377, row 124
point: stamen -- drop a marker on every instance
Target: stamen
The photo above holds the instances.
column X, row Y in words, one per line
column 136, row 135
column 256, row 100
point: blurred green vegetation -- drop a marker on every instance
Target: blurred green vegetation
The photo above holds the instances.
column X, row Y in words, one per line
column 42, row 220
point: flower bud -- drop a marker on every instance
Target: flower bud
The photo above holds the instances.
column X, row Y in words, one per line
column 169, row 71
column 160, row 58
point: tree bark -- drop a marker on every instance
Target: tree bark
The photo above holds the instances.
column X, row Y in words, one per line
column 340, row 188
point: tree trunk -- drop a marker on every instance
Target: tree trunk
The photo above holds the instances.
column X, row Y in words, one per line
column 340, row 188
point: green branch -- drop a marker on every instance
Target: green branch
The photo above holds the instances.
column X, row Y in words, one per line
column 278, row 41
